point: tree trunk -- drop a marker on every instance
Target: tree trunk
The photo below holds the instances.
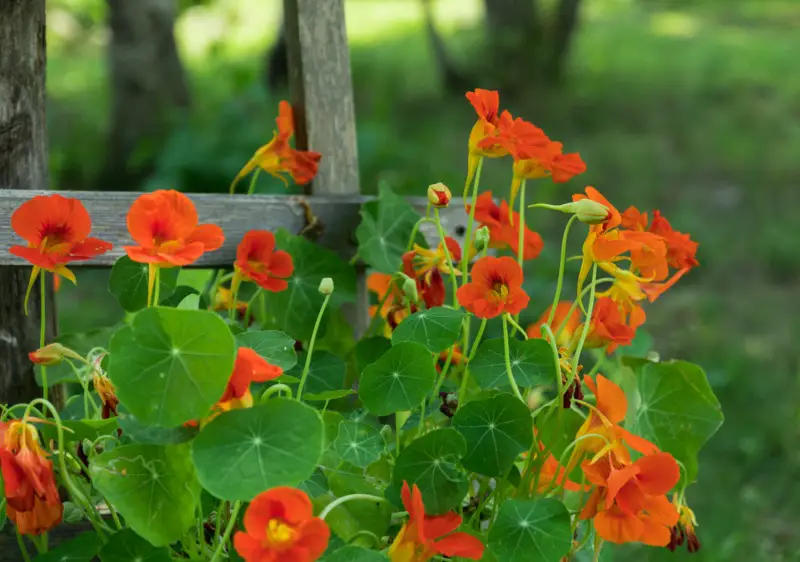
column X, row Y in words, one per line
column 23, row 165
column 514, row 34
column 564, row 26
column 453, row 79
column 148, row 88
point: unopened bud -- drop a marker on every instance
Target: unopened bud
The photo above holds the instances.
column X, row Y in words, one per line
column 326, row 286
column 439, row 195
column 587, row 211
column 52, row 354
column 482, row 238
column 410, row 290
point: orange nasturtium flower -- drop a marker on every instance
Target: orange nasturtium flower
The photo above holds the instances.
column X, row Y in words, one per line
column 57, row 231
column 560, row 317
column 258, row 261
column 500, row 221
column 279, row 526
column 390, row 294
column 535, row 155
column 482, row 138
column 629, row 504
column 423, row 537
column 495, row 288
column 428, row 268
column 31, row 494
column 277, row 157
column 609, row 328
column 165, row 226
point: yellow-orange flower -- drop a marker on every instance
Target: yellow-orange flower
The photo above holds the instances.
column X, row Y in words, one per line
column 483, row 137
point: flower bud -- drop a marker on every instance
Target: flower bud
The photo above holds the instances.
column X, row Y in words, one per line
column 439, row 195
column 587, row 211
column 481, row 238
column 410, row 290
column 326, row 286
column 52, row 354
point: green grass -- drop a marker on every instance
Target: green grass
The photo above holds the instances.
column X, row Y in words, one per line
column 690, row 107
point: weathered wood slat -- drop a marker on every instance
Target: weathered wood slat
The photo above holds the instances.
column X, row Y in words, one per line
column 337, row 218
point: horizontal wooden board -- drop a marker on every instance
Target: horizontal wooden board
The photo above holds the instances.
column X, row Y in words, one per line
column 337, row 218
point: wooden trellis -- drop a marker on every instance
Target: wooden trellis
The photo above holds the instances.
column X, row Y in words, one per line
column 322, row 95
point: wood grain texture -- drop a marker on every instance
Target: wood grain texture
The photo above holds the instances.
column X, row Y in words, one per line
column 337, row 218
column 23, row 164
column 322, row 91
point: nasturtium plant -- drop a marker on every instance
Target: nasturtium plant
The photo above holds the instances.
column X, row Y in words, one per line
column 245, row 414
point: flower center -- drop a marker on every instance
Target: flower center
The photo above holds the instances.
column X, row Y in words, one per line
column 279, row 534
column 54, row 234
column 500, row 290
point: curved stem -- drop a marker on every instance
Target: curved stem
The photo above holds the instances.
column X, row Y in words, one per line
column 571, row 449
column 87, row 395
column 517, row 327
column 22, row 548
column 414, row 231
column 375, row 540
column 561, row 267
column 157, row 288
column 462, row 391
column 577, row 355
column 442, row 241
column 507, row 354
column 228, row 530
column 470, row 224
column 557, row 359
column 250, row 307
column 307, row 365
column 344, row 499
column 286, row 390
column 252, row 187
column 43, row 328
column 572, row 308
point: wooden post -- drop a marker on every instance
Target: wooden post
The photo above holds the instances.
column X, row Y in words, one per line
column 322, row 95
column 23, row 165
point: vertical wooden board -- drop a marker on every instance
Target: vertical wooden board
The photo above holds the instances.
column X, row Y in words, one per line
column 322, row 91
column 23, row 165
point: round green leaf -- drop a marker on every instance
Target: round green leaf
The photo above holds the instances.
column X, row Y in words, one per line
column 532, row 363
column 369, row 350
column 295, row 310
column 496, row 430
column 325, row 373
column 82, row 548
column 353, row 517
column 432, row 463
column 127, row 546
column 274, row 346
column 180, row 294
column 153, row 487
column 170, row 366
column 355, row 554
column 399, row 380
column 436, row 328
column 128, row 283
column 677, row 411
column 139, row 432
column 327, row 395
column 531, row 531
column 358, row 443
column 386, row 225
column 244, row 452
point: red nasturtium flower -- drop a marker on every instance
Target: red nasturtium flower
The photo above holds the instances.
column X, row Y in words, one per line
column 423, row 537
column 280, row 527
column 428, row 268
column 31, row 494
column 495, row 288
column 165, row 226
column 57, row 231
column 277, row 157
column 501, row 221
column 258, row 261
column 609, row 328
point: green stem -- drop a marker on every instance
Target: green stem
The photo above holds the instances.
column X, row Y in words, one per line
column 442, row 238
column 397, row 432
column 23, row 549
column 218, row 521
column 507, row 354
column 43, row 328
column 250, row 307
column 252, row 187
column 561, row 266
column 307, row 365
column 470, row 224
column 87, row 395
column 521, row 240
column 572, row 308
column 414, row 231
column 557, row 359
column 462, row 391
column 517, row 327
column 344, row 499
column 577, row 355
column 598, row 363
column 275, row 389
column 111, row 509
column 228, row 530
